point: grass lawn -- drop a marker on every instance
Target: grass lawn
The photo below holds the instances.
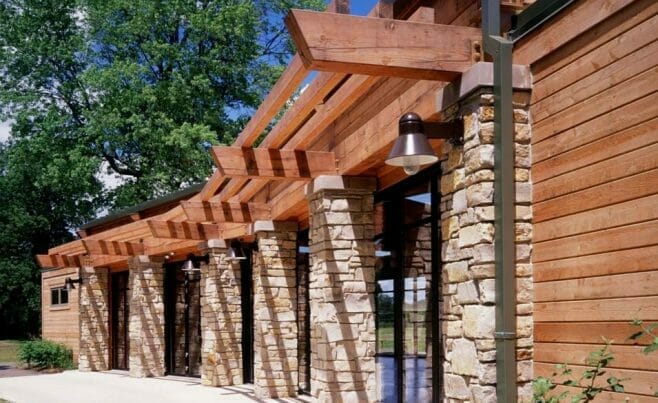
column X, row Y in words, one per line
column 8, row 350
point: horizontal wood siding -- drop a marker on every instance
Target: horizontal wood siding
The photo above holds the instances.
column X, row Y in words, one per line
column 60, row 323
column 595, row 194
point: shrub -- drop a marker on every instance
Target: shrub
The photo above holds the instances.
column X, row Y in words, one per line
column 45, row 354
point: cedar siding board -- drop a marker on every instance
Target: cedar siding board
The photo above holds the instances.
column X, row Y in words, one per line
column 595, row 191
column 60, row 323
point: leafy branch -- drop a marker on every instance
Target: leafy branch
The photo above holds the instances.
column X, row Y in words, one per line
column 645, row 330
column 597, row 361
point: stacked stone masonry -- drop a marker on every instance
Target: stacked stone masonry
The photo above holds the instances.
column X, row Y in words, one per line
column 221, row 318
column 342, row 286
column 467, row 231
column 146, row 323
column 94, row 318
column 276, row 370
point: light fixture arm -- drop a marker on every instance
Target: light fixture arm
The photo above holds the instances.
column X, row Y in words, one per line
column 69, row 282
column 452, row 131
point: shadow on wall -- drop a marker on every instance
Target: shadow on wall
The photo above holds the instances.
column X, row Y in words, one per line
column 342, row 296
column 94, row 319
column 221, row 321
column 276, row 353
column 147, row 342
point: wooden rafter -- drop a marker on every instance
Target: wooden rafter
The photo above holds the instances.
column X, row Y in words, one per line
column 382, row 47
column 113, row 248
column 184, row 230
column 56, row 261
column 274, row 164
column 225, row 212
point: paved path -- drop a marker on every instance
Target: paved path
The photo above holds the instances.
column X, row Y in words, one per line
column 9, row 369
column 116, row 387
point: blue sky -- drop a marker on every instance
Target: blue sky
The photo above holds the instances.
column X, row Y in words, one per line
column 361, row 7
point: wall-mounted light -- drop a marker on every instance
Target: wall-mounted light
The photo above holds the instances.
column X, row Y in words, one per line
column 235, row 252
column 69, row 283
column 411, row 149
column 193, row 263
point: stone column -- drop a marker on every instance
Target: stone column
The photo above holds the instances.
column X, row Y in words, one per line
column 221, row 317
column 275, row 310
column 467, row 228
column 146, row 324
column 94, row 317
column 342, row 286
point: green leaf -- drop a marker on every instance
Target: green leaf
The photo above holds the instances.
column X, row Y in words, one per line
column 651, row 348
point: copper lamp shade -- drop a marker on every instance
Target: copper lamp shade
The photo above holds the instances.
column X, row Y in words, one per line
column 411, row 149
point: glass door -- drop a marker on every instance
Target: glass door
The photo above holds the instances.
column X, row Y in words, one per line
column 120, row 315
column 183, row 321
column 407, row 274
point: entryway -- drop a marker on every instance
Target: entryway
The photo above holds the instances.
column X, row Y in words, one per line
column 182, row 320
column 408, row 278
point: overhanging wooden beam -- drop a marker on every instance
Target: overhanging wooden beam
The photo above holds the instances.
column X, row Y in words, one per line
column 383, row 47
column 225, row 211
column 57, row 261
column 184, row 230
column 273, row 164
column 113, row 248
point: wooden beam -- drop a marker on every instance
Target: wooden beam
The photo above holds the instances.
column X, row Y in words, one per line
column 266, row 163
column 113, row 248
column 184, row 230
column 225, row 211
column 46, row 261
column 380, row 47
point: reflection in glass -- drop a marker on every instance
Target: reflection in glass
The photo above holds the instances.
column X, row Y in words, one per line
column 404, row 269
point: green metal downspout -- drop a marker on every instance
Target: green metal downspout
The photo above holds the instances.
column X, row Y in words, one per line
column 504, row 194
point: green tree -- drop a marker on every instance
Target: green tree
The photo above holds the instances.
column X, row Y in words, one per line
column 134, row 88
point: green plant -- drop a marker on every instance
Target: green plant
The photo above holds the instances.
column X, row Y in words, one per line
column 597, row 361
column 645, row 330
column 45, row 354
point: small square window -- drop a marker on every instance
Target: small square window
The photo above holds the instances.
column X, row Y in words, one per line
column 59, row 296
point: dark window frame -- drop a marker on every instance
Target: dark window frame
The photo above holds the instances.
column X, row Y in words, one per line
column 395, row 227
column 56, row 294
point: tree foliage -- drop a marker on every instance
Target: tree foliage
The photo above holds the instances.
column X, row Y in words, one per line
column 135, row 89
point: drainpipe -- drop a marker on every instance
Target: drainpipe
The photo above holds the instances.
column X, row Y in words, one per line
column 504, row 194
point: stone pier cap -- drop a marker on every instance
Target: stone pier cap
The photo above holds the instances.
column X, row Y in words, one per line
column 338, row 182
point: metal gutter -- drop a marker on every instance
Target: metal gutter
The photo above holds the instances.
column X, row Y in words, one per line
column 534, row 16
column 171, row 197
column 504, row 197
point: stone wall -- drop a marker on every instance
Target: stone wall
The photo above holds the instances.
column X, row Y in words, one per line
column 342, row 286
column 276, row 371
column 94, row 318
column 146, row 325
column 467, row 231
column 221, row 318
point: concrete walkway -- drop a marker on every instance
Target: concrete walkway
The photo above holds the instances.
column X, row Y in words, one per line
column 117, row 387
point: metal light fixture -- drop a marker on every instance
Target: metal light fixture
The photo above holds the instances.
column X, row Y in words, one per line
column 411, row 150
column 69, row 283
column 193, row 263
column 235, row 252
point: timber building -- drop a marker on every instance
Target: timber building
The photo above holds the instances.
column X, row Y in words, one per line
column 307, row 264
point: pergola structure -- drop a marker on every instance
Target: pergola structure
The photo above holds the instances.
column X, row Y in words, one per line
column 371, row 70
